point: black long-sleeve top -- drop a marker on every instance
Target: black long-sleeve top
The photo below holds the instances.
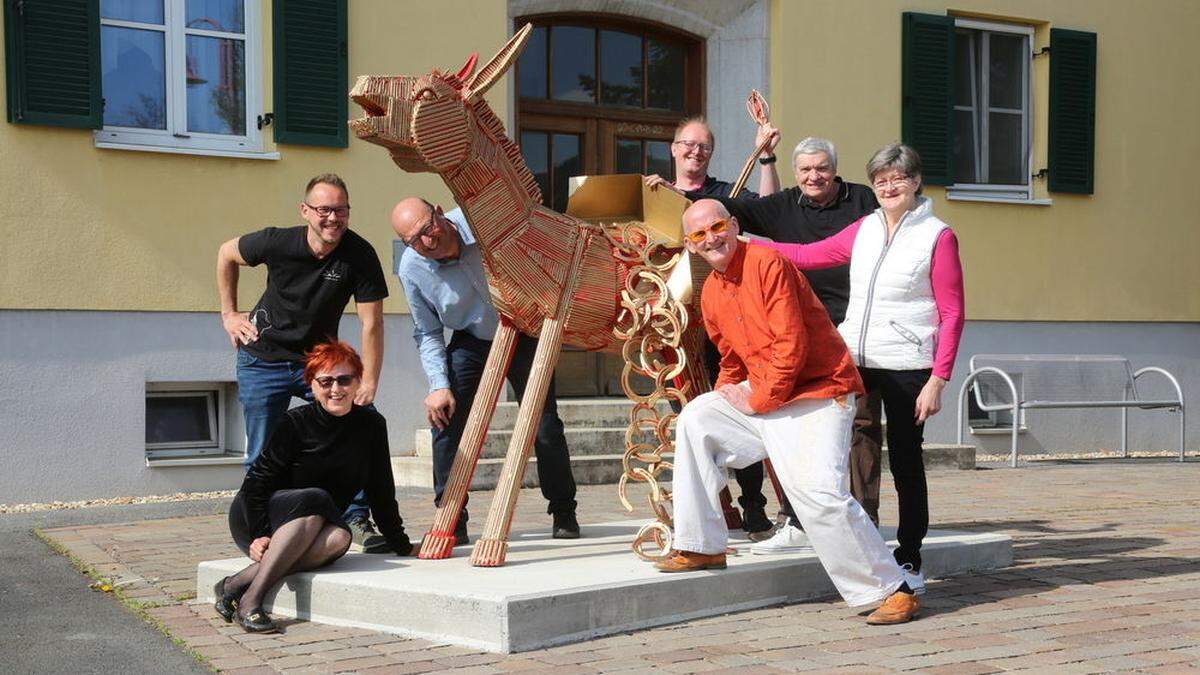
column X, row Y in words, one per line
column 790, row 216
column 341, row 455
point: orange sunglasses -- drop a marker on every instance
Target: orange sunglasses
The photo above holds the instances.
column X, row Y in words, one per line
column 698, row 236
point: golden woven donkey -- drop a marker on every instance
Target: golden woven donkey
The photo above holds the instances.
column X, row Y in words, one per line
column 551, row 275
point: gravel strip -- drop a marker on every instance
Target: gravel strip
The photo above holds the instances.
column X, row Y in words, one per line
column 116, row 501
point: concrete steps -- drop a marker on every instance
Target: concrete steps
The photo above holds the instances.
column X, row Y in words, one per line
column 595, row 431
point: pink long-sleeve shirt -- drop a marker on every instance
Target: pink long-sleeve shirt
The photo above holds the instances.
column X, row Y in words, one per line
column 945, row 275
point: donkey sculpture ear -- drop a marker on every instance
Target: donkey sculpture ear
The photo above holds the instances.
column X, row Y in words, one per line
column 468, row 67
column 488, row 75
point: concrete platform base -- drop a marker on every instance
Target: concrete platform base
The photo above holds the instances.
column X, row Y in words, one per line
column 553, row 592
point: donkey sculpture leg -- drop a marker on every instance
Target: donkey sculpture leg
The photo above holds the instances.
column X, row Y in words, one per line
column 439, row 541
column 492, row 547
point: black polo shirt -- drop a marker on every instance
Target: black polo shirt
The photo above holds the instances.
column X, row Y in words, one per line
column 790, row 216
column 717, row 188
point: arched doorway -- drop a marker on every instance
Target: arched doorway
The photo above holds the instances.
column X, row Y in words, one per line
column 598, row 94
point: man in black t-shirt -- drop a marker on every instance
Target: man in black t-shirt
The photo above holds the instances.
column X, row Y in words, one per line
column 820, row 206
column 312, row 272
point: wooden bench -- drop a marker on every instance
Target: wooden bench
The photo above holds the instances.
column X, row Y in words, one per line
column 1018, row 382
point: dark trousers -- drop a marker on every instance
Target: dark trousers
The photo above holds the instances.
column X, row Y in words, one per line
column 466, row 356
column 899, row 390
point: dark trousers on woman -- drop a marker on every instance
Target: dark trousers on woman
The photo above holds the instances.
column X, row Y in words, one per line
column 466, row 356
column 898, row 390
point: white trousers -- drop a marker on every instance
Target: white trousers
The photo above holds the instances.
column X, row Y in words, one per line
column 808, row 442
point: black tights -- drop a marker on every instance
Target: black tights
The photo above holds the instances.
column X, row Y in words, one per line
column 299, row 545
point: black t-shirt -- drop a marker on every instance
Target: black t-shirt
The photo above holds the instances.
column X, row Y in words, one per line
column 789, row 216
column 717, row 188
column 305, row 297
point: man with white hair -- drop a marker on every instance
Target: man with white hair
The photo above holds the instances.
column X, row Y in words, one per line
column 820, row 206
column 786, row 391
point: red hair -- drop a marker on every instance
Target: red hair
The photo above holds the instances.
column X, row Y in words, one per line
column 328, row 355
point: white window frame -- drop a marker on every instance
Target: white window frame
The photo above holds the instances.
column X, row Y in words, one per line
column 993, row 191
column 216, row 417
column 176, row 138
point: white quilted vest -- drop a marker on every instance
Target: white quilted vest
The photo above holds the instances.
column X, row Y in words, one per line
column 891, row 321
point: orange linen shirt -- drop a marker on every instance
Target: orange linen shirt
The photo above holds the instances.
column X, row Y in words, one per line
column 771, row 330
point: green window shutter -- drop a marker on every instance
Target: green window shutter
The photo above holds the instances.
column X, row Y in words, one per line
column 927, row 90
column 311, row 72
column 52, row 59
column 1072, row 152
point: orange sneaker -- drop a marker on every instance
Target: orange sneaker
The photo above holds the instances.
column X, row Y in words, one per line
column 898, row 608
column 687, row 561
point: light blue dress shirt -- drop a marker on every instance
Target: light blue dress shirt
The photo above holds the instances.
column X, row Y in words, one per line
column 445, row 295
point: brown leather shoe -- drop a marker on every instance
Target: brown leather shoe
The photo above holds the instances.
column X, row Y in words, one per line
column 898, row 608
column 687, row 561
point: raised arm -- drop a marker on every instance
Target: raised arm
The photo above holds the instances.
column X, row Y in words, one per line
column 236, row 324
column 829, row 252
column 768, row 174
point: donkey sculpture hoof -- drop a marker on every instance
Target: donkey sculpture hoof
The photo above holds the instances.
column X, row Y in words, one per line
column 489, row 553
column 436, row 546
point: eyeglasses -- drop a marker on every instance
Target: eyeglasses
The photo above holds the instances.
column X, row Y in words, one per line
column 326, row 211
column 326, row 381
column 424, row 232
column 698, row 236
column 696, row 145
column 893, row 182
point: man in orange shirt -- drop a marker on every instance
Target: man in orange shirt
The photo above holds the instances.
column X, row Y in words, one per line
column 786, row 391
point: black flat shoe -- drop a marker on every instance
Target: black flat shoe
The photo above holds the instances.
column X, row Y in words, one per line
column 258, row 621
column 565, row 526
column 226, row 604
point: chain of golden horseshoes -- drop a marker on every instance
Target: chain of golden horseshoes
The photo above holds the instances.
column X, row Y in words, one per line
column 651, row 325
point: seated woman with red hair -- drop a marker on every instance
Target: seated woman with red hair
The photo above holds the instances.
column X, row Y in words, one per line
column 288, row 515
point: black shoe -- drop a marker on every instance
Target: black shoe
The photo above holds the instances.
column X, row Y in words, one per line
column 763, row 535
column 258, row 621
column 754, row 519
column 226, row 604
column 364, row 537
column 460, row 536
column 565, row 526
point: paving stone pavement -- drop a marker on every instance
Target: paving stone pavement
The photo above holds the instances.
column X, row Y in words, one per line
column 1106, row 577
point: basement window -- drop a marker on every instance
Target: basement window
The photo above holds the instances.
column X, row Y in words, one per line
column 185, row 419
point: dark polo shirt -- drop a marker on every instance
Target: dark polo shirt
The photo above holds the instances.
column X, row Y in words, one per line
column 717, row 188
column 789, row 216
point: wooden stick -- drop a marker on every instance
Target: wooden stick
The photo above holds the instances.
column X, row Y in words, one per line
column 439, row 541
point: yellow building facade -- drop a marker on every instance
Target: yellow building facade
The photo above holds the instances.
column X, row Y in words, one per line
column 107, row 285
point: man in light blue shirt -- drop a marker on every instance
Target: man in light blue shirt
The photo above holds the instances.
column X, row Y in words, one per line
column 441, row 270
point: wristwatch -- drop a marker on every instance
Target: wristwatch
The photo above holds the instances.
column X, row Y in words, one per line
column 769, row 159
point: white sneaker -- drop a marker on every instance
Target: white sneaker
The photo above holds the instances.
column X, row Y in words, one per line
column 915, row 580
column 787, row 539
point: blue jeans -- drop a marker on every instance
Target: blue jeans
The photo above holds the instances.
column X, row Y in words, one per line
column 465, row 356
column 265, row 389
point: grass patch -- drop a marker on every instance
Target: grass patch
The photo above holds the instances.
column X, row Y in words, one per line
column 138, row 607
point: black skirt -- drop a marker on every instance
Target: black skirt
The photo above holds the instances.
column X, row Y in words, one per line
column 284, row 507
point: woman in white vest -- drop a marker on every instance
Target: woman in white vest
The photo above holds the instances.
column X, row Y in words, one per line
column 903, row 322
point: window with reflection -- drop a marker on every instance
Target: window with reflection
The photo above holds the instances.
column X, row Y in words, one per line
column 598, row 94
column 175, row 73
column 604, row 66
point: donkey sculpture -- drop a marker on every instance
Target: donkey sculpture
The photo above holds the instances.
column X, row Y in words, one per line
column 551, row 275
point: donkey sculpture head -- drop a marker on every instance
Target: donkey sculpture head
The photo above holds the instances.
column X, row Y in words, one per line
column 424, row 121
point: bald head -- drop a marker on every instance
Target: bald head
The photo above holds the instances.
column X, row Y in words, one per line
column 425, row 229
column 711, row 233
column 409, row 215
